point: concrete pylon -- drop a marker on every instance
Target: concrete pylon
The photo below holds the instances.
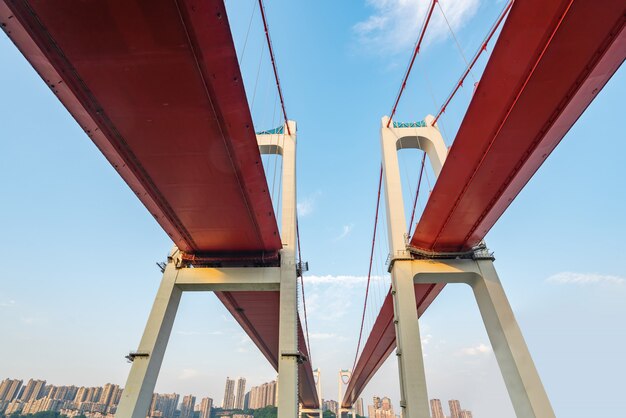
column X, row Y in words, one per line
column 351, row 410
column 518, row 370
column 317, row 375
column 179, row 278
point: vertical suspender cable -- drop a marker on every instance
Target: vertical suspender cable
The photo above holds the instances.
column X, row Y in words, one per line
column 506, row 117
column 369, row 273
column 306, row 321
column 380, row 179
column 269, row 45
column 483, row 48
column 412, row 61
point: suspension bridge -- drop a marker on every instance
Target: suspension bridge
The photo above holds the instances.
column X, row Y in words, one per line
column 158, row 87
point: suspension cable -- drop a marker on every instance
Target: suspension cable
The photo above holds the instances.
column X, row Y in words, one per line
column 243, row 51
column 456, row 40
column 369, row 272
column 412, row 61
column 256, row 83
column 483, row 48
column 271, row 50
column 521, row 89
column 306, row 321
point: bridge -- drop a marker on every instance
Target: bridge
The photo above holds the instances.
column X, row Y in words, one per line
column 157, row 86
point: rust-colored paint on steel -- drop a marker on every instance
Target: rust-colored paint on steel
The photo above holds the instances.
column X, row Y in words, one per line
column 575, row 65
column 483, row 48
column 543, row 73
column 157, row 88
column 382, row 340
column 258, row 313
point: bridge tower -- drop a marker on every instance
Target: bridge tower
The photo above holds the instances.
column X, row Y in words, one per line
column 181, row 276
column 317, row 374
column 344, row 377
column 409, row 267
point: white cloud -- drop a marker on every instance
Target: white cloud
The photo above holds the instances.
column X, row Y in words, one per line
column 307, row 205
column 193, row 333
column 339, row 280
column 567, row 277
column 477, row 350
column 28, row 320
column 345, row 231
column 188, row 374
column 7, row 304
column 322, row 335
column 331, row 298
column 395, row 24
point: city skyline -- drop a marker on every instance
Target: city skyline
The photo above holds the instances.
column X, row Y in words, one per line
column 101, row 401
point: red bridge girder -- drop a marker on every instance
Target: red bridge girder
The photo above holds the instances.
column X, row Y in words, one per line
column 157, row 87
column 549, row 63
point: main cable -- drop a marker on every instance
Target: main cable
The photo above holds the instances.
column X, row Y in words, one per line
column 271, row 50
column 412, row 61
column 483, row 48
column 369, row 272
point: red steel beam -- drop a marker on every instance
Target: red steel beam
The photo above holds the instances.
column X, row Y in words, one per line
column 157, row 87
column 483, row 48
column 543, row 73
column 381, row 342
column 258, row 313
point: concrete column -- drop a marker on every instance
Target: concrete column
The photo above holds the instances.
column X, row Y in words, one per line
column 520, row 375
column 413, row 391
column 318, row 386
column 396, row 221
column 288, row 328
column 139, row 387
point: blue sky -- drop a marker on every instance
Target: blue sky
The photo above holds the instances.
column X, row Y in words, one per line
column 79, row 274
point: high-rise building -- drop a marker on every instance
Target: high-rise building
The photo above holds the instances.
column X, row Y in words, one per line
column 62, row 393
column 186, row 408
column 205, row 407
column 241, row 392
column 164, row 405
column 81, row 394
column 117, row 396
column 382, row 408
column 229, row 394
column 436, row 409
column 358, row 406
column 262, row 396
column 466, row 414
column 376, row 400
column 107, row 395
column 33, row 390
column 386, row 404
column 332, row 406
column 9, row 389
column 455, row 408
column 246, row 401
